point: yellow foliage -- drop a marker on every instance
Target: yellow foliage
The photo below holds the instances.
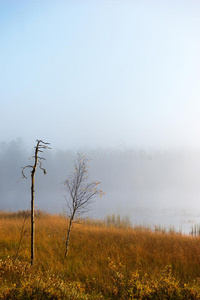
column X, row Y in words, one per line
column 136, row 266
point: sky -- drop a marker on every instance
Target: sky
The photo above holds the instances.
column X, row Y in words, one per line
column 118, row 78
column 100, row 73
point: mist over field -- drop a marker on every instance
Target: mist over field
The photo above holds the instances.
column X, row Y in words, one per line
column 137, row 183
column 118, row 83
column 118, row 80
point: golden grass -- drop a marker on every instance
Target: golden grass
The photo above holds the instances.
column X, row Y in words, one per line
column 93, row 245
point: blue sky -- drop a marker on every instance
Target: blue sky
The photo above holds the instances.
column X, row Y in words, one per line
column 96, row 73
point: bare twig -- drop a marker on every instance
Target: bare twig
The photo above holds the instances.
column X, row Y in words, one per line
column 23, row 232
column 81, row 193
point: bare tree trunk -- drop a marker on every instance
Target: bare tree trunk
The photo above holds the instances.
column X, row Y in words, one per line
column 68, row 235
column 32, row 218
column 40, row 145
column 81, row 193
column 33, row 206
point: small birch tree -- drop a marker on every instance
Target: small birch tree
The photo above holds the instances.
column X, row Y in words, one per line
column 40, row 146
column 81, row 193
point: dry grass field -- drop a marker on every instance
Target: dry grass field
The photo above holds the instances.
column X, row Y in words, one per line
column 104, row 262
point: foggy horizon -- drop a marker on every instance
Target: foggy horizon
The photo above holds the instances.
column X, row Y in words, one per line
column 109, row 91
column 118, row 80
column 137, row 183
column 100, row 73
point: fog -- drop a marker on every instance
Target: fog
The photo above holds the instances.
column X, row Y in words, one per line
column 120, row 77
column 143, row 185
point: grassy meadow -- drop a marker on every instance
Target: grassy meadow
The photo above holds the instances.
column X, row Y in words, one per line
column 107, row 260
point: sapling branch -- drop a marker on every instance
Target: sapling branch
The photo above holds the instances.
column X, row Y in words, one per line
column 81, row 193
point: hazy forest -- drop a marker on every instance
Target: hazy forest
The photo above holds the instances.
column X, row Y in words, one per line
column 130, row 177
column 109, row 257
column 110, row 209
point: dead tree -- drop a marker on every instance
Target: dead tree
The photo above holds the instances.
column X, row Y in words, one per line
column 81, row 193
column 38, row 160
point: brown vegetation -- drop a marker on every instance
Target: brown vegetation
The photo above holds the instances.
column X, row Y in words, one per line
column 98, row 250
